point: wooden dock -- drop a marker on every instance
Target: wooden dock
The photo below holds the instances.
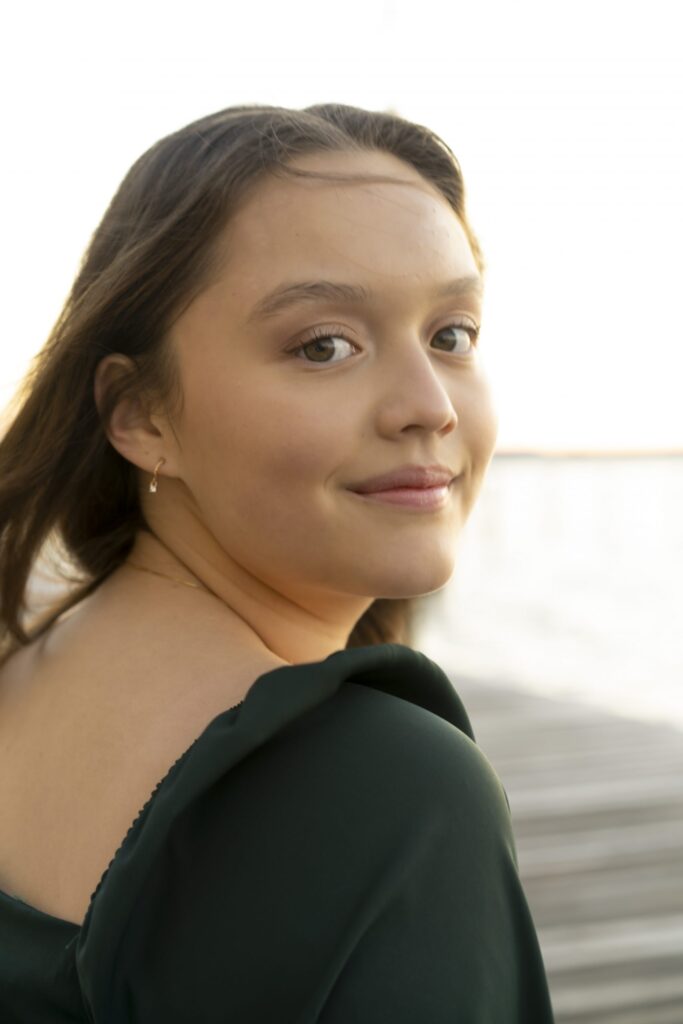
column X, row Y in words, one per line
column 597, row 811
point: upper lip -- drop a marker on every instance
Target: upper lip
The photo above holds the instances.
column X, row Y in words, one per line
column 406, row 476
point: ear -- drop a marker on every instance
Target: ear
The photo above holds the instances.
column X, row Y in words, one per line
column 136, row 433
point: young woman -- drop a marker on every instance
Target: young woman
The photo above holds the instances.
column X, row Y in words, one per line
column 256, row 430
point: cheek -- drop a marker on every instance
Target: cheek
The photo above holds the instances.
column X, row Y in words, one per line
column 299, row 443
column 264, row 439
column 479, row 422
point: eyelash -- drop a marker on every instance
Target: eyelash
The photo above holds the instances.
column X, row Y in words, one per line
column 324, row 333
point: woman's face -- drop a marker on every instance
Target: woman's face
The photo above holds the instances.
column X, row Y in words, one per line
column 272, row 435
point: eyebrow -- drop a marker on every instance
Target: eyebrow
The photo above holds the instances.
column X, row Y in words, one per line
column 286, row 295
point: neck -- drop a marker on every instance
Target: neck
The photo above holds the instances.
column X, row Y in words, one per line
column 252, row 613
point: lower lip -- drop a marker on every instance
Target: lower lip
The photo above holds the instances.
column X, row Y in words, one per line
column 410, row 497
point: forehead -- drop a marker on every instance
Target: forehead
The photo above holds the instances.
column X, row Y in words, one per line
column 403, row 227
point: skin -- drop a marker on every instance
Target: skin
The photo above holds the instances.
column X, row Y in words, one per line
column 252, row 499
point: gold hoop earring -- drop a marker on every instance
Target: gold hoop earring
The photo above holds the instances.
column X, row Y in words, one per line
column 154, row 483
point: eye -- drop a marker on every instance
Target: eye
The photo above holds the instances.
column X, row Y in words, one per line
column 316, row 343
column 468, row 330
column 322, row 335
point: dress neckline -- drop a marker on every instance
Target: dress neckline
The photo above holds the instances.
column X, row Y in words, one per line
column 77, row 926
column 366, row 664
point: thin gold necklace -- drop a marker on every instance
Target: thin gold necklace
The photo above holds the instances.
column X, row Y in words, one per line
column 175, row 579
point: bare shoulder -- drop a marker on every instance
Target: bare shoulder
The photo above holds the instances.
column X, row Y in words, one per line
column 132, row 656
column 92, row 715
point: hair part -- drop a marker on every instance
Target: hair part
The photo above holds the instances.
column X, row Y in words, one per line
column 64, row 489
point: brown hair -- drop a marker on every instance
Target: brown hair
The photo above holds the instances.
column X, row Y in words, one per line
column 62, row 483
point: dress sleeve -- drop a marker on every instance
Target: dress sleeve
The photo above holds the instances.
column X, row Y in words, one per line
column 358, row 868
column 453, row 939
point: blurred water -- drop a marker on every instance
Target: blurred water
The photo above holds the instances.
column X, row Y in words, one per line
column 568, row 583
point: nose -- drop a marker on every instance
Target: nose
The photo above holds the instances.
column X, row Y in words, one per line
column 418, row 392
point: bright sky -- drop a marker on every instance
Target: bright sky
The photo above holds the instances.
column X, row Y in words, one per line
column 566, row 120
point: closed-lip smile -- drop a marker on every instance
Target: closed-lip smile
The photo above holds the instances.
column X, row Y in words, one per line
column 412, row 476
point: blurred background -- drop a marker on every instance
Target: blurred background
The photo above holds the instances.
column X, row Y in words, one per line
column 562, row 625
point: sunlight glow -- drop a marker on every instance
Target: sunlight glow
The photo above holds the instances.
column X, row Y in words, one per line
column 571, row 150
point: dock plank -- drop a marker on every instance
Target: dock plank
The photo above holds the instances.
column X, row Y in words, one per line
column 597, row 809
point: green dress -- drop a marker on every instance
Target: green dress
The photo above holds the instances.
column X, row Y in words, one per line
column 335, row 849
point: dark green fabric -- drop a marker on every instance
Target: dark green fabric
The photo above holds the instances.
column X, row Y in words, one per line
column 336, row 850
